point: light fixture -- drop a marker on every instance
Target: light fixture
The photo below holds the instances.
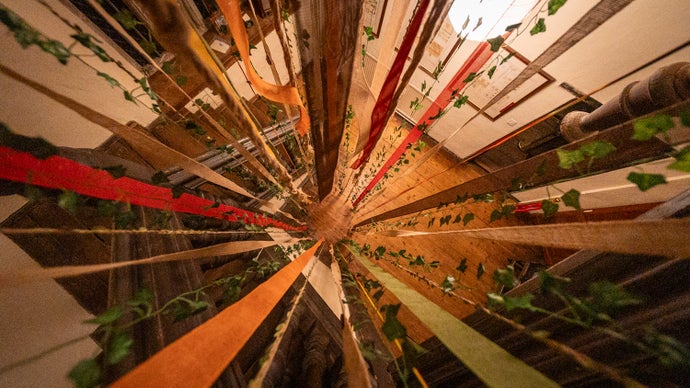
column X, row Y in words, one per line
column 482, row 19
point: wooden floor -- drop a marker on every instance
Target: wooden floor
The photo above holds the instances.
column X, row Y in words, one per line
column 438, row 173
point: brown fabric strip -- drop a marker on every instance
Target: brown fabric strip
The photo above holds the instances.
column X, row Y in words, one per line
column 656, row 238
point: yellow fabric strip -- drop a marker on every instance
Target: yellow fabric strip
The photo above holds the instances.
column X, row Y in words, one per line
column 200, row 356
column 285, row 94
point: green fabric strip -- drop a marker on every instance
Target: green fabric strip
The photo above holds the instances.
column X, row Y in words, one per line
column 488, row 361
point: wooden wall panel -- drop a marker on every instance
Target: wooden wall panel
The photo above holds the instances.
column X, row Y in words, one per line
column 328, row 32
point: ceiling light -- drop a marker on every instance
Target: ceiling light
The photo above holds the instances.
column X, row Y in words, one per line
column 482, row 19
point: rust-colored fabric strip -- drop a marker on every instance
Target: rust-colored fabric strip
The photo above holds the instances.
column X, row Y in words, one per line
column 199, row 357
column 285, row 94
column 378, row 116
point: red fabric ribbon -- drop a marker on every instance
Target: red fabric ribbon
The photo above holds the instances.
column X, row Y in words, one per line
column 473, row 64
column 60, row 173
column 378, row 115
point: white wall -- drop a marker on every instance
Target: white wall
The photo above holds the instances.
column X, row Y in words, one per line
column 30, row 113
column 35, row 317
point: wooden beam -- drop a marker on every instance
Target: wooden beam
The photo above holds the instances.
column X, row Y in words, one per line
column 627, row 151
column 327, row 59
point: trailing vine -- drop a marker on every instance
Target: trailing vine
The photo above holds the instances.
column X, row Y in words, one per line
column 28, row 36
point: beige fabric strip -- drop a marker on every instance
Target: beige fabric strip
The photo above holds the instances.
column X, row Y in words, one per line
column 655, row 238
column 34, row 274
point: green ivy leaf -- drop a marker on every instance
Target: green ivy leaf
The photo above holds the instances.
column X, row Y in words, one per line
column 106, row 208
column 495, row 215
column 181, row 80
column 185, row 308
column 129, row 97
column 512, row 302
column 568, row 159
column 460, row 101
column 126, row 18
column 33, row 193
column 116, row 171
column 486, row 197
column 648, row 127
column 685, row 118
column 445, row 220
column 597, row 149
column 551, row 283
column 448, row 284
column 554, row 5
column 646, row 181
column 506, row 276
column 496, row 43
column 504, row 60
column 520, row 302
column 491, row 71
column 472, row 76
column 549, row 208
column 480, row 270
column 572, row 199
column 369, row 31
column 513, row 27
column 431, row 222
column 392, row 328
column 462, row 267
column 159, row 178
column 109, row 316
column 434, row 264
column 112, row 81
column 379, row 252
column 118, row 348
column 149, row 46
column 141, row 302
column 89, row 41
column 539, row 27
column 86, row 374
column 125, row 219
column 609, row 298
column 467, row 218
column 36, row 146
column 682, row 162
column 177, row 191
column 668, row 351
column 69, row 200
column 168, row 67
column 377, row 295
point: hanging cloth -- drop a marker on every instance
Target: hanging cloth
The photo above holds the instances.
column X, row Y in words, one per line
column 279, row 93
column 57, row 172
column 380, row 112
column 473, row 64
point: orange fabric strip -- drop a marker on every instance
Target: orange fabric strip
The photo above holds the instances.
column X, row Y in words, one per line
column 280, row 93
column 200, row 356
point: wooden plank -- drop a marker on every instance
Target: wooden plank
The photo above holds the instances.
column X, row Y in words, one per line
column 327, row 60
